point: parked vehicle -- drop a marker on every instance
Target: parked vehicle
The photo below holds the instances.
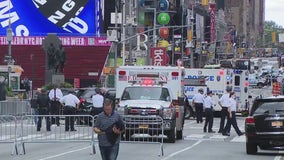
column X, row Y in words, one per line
column 152, row 91
column 264, row 127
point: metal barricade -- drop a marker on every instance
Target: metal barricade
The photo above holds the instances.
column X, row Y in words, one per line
column 83, row 133
column 17, row 107
column 8, row 131
column 144, row 129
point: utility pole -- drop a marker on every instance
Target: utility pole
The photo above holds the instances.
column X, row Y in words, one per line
column 9, row 34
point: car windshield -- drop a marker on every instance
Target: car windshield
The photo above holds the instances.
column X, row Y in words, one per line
column 145, row 93
column 270, row 108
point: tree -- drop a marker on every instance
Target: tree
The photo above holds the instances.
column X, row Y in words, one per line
column 266, row 39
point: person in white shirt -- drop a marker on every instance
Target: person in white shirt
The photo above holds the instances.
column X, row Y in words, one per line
column 98, row 101
column 232, row 117
column 208, row 105
column 71, row 104
column 197, row 102
column 54, row 95
column 224, row 102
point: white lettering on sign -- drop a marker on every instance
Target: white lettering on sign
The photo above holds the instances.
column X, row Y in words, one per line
column 158, row 57
column 142, row 43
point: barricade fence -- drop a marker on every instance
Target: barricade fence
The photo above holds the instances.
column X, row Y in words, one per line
column 18, row 107
column 20, row 130
column 144, row 129
column 8, row 131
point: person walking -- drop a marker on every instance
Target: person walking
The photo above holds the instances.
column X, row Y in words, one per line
column 208, row 105
column 109, row 126
column 98, row 100
column 71, row 104
column 197, row 102
column 232, row 114
column 55, row 94
column 224, row 102
column 43, row 109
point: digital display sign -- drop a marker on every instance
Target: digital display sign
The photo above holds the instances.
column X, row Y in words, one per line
column 39, row 17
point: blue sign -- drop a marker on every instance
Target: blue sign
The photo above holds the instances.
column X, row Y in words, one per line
column 188, row 88
column 39, row 17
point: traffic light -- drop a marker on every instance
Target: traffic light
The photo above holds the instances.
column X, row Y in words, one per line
column 273, row 37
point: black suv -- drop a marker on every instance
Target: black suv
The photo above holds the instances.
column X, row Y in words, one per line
column 264, row 127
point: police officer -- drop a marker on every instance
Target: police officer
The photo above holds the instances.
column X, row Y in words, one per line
column 98, row 101
column 71, row 104
column 224, row 102
column 197, row 102
column 54, row 95
column 232, row 117
column 208, row 105
column 43, row 109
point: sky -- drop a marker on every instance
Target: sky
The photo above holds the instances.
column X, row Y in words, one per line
column 274, row 11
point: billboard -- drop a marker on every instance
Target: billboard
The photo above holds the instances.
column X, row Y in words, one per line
column 39, row 17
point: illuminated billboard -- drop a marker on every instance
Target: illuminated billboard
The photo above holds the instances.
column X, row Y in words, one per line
column 39, row 17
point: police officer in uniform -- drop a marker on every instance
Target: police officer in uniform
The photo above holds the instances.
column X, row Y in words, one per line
column 197, row 102
column 208, row 105
column 43, row 109
column 71, row 104
column 232, row 114
column 54, row 95
column 224, row 102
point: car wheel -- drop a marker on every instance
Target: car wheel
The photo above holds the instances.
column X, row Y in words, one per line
column 179, row 134
column 171, row 134
column 251, row 148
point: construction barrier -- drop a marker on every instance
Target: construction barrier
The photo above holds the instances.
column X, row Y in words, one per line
column 144, row 129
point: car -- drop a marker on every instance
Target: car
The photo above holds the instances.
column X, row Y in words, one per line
column 264, row 127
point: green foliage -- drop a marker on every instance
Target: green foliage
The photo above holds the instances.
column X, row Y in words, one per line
column 63, row 85
column 9, row 92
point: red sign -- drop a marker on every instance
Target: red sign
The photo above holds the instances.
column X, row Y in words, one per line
column 76, row 83
column 159, row 56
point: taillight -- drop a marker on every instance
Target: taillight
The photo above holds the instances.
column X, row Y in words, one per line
column 250, row 120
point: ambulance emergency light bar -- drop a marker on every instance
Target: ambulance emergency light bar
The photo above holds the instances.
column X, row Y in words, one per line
column 147, row 79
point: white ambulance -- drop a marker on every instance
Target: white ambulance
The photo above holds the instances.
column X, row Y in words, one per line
column 217, row 80
column 152, row 91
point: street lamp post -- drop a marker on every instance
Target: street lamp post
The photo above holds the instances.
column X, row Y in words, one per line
column 10, row 60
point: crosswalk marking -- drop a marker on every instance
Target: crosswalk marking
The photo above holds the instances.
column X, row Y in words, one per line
column 239, row 139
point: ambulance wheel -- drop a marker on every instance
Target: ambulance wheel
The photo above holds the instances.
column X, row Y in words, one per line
column 179, row 134
column 171, row 134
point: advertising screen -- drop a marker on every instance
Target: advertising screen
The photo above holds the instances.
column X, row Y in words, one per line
column 39, row 17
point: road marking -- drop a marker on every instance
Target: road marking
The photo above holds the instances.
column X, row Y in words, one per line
column 239, row 139
column 178, row 152
column 64, row 153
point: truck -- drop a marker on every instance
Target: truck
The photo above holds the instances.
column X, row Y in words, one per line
column 152, row 91
column 218, row 80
